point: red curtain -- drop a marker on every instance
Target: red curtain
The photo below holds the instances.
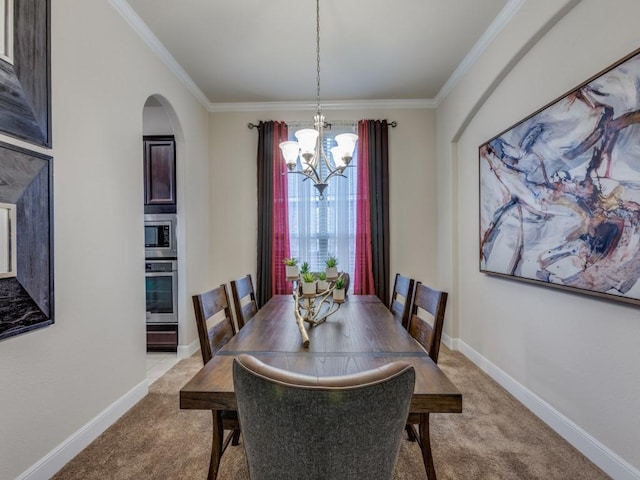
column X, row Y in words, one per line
column 273, row 228
column 280, row 213
column 363, row 283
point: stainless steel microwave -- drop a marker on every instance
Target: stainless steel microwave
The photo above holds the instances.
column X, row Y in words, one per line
column 160, row 235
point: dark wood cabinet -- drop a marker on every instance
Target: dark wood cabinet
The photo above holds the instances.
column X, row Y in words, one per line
column 159, row 174
column 162, row 337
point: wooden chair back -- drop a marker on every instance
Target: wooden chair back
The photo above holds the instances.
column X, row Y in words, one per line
column 244, row 300
column 428, row 334
column 212, row 339
column 347, row 282
column 207, row 305
column 402, row 287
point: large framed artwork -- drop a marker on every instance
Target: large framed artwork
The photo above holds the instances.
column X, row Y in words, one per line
column 560, row 190
column 25, row 102
column 26, row 240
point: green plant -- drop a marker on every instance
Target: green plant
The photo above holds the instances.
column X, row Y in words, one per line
column 308, row 277
column 290, row 262
column 331, row 262
column 340, row 283
column 322, row 276
column 305, row 268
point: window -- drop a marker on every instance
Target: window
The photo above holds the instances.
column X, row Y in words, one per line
column 319, row 228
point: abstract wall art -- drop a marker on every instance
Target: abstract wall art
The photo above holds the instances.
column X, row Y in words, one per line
column 26, row 241
column 25, row 73
column 560, row 190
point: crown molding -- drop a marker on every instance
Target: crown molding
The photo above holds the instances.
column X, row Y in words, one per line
column 138, row 26
column 503, row 18
column 329, row 105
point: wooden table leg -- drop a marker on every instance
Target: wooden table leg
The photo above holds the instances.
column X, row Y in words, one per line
column 425, row 444
column 216, row 445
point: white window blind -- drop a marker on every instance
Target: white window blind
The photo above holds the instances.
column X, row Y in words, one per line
column 319, row 228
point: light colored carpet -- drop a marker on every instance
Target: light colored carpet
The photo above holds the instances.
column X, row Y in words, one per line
column 495, row 437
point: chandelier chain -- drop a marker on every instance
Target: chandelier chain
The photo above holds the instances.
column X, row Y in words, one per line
column 310, row 146
column 318, row 54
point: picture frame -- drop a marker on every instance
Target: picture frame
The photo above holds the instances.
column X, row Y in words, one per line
column 26, row 279
column 560, row 190
column 25, row 74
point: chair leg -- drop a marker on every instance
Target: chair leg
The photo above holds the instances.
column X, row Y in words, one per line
column 425, row 444
column 411, row 433
column 235, row 440
column 216, row 445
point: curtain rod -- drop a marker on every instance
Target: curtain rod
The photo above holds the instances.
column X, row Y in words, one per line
column 392, row 124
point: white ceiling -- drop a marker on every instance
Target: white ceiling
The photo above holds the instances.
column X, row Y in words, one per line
column 254, row 51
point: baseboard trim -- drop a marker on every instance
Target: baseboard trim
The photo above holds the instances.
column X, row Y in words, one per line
column 185, row 351
column 594, row 450
column 57, row 458
column 451, row 343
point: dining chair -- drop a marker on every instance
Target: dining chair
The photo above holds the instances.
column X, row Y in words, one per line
column 214, row 333
column 301, row 426
column 347, row 282
column 427, row 329
column 401, row 297
column 426, row 321
column 244, row 300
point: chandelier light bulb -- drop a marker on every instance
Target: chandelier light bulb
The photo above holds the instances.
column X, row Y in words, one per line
column 346, row 145
column 338, row 161
column 307, row 139
column 290, row 151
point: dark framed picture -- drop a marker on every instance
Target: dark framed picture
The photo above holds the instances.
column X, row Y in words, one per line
column 560, row 190
column 26, row 241
column 25, row 103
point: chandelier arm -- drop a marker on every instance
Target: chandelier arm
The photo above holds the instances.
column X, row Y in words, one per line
column 316, row 174
column 324, row 156
column 315, row 178
column 337, row 172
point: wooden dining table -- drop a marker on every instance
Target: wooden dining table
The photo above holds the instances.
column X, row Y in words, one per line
column 361, row 335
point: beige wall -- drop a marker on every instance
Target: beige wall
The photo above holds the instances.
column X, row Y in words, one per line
column 57, row 379
column 412, row 186
column 574, row 353
column 155, row 121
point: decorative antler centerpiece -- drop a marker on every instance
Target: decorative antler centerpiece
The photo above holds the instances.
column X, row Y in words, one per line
column 315, row 301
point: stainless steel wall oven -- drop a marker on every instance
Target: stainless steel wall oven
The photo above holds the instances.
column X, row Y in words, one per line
column 162, row 291
column 162, row 305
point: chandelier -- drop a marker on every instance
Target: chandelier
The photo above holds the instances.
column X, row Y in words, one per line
column 310, row 144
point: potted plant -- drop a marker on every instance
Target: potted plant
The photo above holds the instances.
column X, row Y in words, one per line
column 323, row 285
column 338, row 290
column 304, row 268
column 332, row 264
column 291, row 267
column 308, row 283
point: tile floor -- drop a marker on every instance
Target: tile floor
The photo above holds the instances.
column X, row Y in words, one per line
column 159, row 363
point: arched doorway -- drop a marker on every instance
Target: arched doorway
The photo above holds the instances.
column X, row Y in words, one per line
column 163, row 146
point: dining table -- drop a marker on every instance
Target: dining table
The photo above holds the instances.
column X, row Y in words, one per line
column 362, row 334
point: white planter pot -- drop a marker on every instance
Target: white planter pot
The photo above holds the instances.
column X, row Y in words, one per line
column 308, row 288
column 322, row 285
column 291, row 271
column 338, row 294
column 332, row 272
